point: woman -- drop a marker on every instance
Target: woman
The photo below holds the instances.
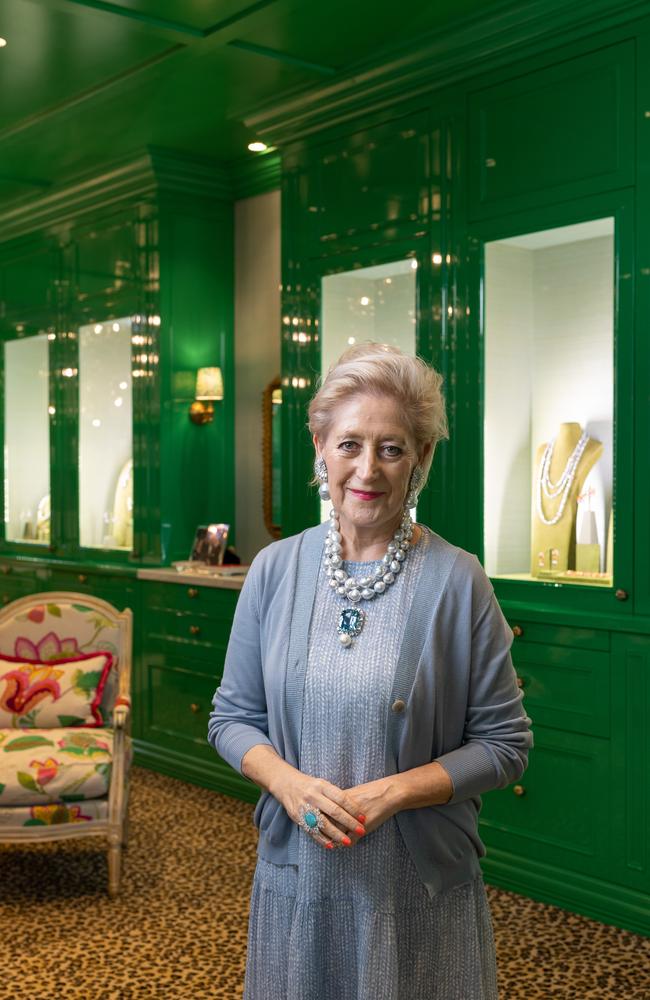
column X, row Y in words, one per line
column 368, row 690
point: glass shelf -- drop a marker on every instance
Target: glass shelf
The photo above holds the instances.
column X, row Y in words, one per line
column 549, row 405
column 105, row 435
column 27, row 440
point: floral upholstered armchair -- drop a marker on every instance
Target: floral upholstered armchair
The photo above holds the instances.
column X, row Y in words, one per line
column 65, row 713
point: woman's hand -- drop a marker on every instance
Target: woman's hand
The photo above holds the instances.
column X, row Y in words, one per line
column 377, row 801
column 341, row 823
column 340, row 820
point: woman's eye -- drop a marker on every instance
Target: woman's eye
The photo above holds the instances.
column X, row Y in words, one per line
column 348, row 445
column 393, row 450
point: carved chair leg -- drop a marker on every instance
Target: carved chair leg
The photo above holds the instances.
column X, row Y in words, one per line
column 125, row 830
column 114, row 864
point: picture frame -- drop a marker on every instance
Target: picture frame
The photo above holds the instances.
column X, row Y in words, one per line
column 209, row 545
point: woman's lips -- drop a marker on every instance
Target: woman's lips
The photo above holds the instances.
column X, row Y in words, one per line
column 364, row 495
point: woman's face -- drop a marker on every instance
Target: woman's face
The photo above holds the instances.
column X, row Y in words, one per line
column 369, row 454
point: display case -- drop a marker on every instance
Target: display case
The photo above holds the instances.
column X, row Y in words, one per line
column 27, row 413
column 548, row 406
column 367, row 303
column 106, row 432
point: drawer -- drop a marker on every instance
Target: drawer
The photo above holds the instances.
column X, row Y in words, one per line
column 213, row 601
column 185, row 625
column 557, row 635
column 204, row 656
column 552, row 813
column 177, row 703
column 565, row 688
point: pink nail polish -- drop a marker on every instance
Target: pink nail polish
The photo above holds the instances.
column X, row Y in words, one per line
column 360, row 831
column 330, row 846
column 346, row 841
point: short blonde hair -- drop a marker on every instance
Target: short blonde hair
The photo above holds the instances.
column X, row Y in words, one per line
column 383, row 370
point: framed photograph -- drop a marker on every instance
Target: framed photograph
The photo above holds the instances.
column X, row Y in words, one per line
column 210, row 544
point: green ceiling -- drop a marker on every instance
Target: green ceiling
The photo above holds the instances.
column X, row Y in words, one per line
column 86, row 82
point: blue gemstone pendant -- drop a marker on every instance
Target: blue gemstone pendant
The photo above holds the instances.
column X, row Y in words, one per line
column 351, row 621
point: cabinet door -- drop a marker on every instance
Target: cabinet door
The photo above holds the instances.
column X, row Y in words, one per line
column 557, row 813
column 554, row 134
column 630, row 795
column 177, row 701
column 564, row 673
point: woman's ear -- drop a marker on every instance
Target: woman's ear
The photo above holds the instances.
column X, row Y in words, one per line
column 426, row 451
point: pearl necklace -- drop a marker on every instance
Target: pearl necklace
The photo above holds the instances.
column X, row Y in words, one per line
column 562, row 488
column 351, row 620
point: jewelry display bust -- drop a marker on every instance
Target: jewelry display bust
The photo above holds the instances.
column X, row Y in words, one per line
column 561, row 468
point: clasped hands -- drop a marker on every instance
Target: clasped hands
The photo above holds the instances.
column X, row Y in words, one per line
column 346, row 815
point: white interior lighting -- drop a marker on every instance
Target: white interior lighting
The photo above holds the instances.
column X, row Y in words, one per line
column 3, row 42
column 257, row 147
column 414, row 265
column 364, row 300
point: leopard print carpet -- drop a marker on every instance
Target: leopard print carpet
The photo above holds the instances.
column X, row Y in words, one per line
column 178, row 929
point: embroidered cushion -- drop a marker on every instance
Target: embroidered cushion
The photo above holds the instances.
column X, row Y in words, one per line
column 46, row 766
column 65, row 692
column 53, row 814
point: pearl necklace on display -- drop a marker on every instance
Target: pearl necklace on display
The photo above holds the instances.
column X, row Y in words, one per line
column 562, row 488
column 366, row 588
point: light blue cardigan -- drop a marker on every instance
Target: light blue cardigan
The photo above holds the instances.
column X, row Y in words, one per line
column 454, row 674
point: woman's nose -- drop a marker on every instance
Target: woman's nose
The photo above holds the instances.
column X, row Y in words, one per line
column 368, row 464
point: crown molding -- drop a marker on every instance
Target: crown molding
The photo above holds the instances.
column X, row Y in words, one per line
column 256, row 175
column 474, row 46
column 149, row 174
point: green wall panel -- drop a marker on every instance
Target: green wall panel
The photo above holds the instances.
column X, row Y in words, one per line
column 559, row 132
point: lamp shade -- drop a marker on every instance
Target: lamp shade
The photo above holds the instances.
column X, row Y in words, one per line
column 209, row 384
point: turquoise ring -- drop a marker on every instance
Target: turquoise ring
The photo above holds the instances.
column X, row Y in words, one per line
column 310, row 820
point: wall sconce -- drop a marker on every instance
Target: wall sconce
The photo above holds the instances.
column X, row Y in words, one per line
column 209, row 387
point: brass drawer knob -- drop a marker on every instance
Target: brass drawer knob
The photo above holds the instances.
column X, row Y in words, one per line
column 82, row 578
column 195, row 629
column 517, row 630
column 192, row 592
column 195, row 708
column 519, row 790
column 621, row 595
column 520, row 682
column 6, row 569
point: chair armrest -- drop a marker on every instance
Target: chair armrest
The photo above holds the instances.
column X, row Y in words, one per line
column 121, row 712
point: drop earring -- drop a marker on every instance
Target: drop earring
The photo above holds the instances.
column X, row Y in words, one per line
column 415, row 485
column 320, row 471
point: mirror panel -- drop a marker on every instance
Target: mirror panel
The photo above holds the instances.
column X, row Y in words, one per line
column 105, row 435
column 27, row 440
column 549, row 405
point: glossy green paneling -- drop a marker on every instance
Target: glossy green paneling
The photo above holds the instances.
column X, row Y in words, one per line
column 641, row 360
column 631, row 758
column 197, row 330
column 71, row 70
column 555, row 134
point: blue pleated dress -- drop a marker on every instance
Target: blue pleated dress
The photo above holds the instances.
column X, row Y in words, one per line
column 357, row 923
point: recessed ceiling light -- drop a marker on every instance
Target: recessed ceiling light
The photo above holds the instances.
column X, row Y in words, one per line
column 3, row 42
column 257, row 147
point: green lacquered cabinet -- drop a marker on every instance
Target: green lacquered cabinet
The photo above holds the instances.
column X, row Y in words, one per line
column 536, row 153
column 146, row 248
column 182, row 648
